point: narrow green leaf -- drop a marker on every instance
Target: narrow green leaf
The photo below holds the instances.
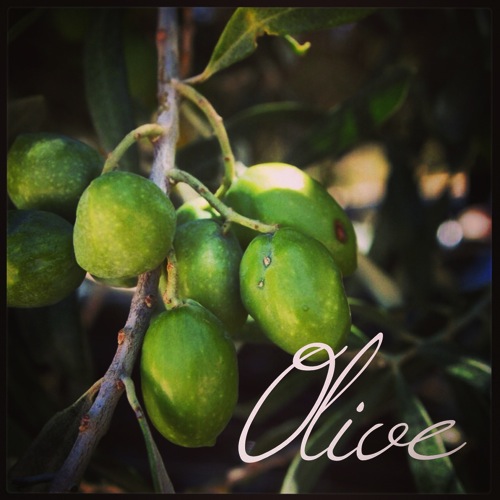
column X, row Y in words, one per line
column 27, row 114
column 383, row 287
column 288, row 389
column 275, row 435
column 161, row 480
column 357, row 339
column 473, row 372
column 106, row 84
column 354, row 120
column 385, row 320
column 239, row 38
column 302, row 475
column 48, row 451
column 23, row 24
column 457, row 364
column 430, row 476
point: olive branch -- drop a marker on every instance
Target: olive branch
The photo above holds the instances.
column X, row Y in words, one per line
column 96, row 421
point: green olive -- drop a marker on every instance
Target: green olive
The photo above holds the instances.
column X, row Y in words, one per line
column 293, row 288
column 50, row 172
column 41, row 265
column 208, row 262
column 124, row 226
column 189, row 375
column 278, row 193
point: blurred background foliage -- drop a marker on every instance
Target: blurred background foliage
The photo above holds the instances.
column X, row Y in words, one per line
column 393, row 115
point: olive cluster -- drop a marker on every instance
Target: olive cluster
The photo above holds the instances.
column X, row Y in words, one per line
column 70, row 219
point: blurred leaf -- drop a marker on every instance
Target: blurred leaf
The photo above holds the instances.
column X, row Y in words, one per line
column 238, row 40
column 51, row 447
column 404, row 240
column 289, row 388
column 354, row 120
column 274, row 112
column 357, row 339
column 276, row 435
column 203, row 157
column 382, row 286
column 25, row 115
column 106, row 84
column 474, row 418
column 71, row 23
column 24, row 379
column 430, row 476
column 302, row 475
column 383, row 319
column 69, row 344
column 23, row 24
column 474, row 372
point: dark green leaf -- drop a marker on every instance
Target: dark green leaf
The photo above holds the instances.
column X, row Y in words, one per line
column 161, row 481
column 238, row 40
column 357, row 339
column 26, row 115
column 276, row 435
column 386, row 321
column 24, row 23
column 51, row 447
column 106, row 84
column 457, row 364
column 375, row 392
column 472, row 371
column 354, row 120
column 275, row 113
column 430, row 476
column 292, row 386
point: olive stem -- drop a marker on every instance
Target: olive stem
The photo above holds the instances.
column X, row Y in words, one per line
column 161, row 481
column 170, row 296
column 150, row 130
column 220, row 131
column 196, row 79
column 228, row 213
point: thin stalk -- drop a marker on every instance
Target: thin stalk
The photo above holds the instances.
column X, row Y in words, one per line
column 150, row 130
column 161, row 481
column 228, row 213
column 220, row 132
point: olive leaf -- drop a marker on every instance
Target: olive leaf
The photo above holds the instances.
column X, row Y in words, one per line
column 106, row 84
column 24, row 23
column 47, row 453
column 239, row 38
column 27, row 114
column 457, row 364
column 355, row 119
column 472, row 371
column 283, row 395
column 161, row 480
column 430, row 476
